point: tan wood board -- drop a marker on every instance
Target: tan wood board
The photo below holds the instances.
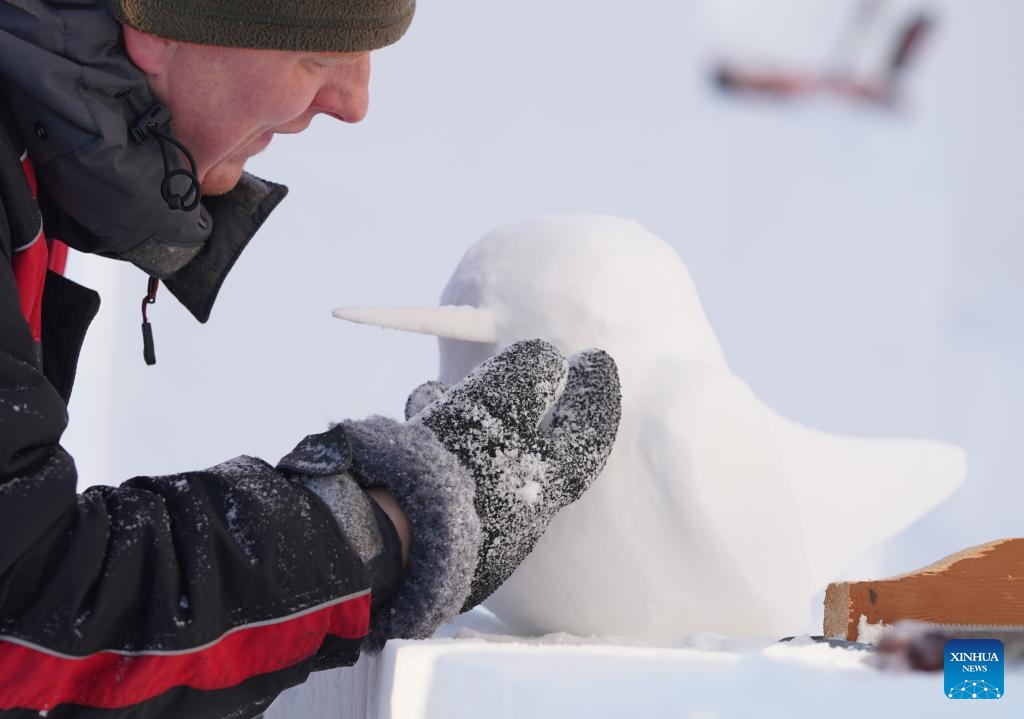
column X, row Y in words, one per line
column 983, row 585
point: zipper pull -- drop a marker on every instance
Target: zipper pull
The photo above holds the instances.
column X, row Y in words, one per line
column 148, row 348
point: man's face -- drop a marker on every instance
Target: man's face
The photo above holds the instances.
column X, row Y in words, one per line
column 226, row 104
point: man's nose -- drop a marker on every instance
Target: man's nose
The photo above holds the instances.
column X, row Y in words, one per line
column 346, row 93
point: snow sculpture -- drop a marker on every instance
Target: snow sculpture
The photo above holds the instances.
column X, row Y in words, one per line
column 713, row 513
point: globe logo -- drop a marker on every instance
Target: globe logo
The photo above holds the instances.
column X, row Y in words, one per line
column 974, row 690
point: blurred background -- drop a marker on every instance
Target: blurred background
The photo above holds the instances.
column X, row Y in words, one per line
column 842, row 177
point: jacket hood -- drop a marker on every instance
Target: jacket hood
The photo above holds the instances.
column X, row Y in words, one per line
column 74, row 97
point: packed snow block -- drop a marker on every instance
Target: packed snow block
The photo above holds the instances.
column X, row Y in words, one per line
column 975, row 590
column 554, row 677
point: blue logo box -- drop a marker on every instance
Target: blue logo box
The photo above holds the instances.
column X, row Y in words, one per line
column 974, row 669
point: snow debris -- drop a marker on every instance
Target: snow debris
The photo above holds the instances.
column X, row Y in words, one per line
column 868, row 633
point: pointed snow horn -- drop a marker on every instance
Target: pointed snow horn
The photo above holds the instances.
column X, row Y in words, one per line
column 461, row 322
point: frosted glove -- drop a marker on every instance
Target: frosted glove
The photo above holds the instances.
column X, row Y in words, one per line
column 527, row 459
column 479, row 472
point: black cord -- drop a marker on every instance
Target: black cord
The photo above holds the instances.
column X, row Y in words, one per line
column 190, row 200
column 152, row 121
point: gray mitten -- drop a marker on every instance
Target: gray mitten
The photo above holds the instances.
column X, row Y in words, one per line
column 527, row 464
column 479, row 472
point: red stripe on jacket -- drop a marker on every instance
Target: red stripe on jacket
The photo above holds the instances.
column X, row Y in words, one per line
column 31, row 262
column 32, row 677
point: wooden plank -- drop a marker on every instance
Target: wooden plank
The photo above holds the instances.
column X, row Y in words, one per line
column 983, row 585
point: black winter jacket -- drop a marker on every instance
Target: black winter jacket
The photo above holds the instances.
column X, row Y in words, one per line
column 202, row 594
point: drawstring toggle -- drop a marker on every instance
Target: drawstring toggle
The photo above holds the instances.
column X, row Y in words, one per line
column 148, row 348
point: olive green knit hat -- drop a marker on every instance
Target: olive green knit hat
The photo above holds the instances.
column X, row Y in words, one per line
column 307, row 25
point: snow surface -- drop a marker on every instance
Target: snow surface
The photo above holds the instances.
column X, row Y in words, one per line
column 476, row 678
column 472, row 673
column 714, row 511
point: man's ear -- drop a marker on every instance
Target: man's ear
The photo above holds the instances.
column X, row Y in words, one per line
column 150, row 53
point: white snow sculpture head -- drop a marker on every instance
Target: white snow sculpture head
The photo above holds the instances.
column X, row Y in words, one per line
column 580, row 281
column 713, row 513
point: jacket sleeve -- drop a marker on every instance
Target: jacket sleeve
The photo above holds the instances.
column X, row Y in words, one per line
column 202, row 594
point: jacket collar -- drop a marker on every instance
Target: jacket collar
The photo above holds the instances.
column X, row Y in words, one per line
column 236, row 216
